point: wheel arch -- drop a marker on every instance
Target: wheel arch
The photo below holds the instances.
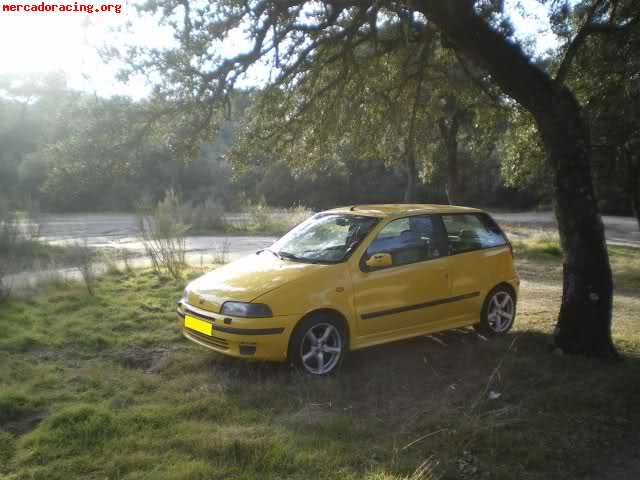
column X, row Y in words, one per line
column 331, row 312
column 506, row 285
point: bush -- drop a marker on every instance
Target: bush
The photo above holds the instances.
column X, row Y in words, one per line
column 162, row 231
column 221, row 252
column 5, row 289
column 208, row 216
column 265, row 219
column 85, row 260
column 17, row 235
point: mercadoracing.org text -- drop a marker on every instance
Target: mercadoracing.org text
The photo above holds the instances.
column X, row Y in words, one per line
column 35, row 7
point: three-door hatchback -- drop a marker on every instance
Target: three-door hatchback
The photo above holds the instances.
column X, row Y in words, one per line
column 354, row 277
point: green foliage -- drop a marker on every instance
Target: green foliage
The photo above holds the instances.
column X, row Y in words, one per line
column 604, row 76
column 523, row 159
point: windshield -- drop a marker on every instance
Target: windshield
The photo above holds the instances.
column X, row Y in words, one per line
column 324, row 238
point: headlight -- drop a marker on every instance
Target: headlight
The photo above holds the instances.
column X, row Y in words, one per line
column 242, row 309
column 185, row 294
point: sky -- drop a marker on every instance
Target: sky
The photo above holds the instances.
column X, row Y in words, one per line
column 68, row 42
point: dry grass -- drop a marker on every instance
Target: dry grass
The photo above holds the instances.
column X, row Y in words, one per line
column 105, row 387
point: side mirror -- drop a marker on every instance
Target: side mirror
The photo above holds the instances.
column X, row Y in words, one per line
column 379, row 260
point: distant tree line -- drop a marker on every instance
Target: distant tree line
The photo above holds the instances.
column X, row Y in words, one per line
column 63, row 150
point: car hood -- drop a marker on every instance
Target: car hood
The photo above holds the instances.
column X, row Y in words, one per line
column 245, row 279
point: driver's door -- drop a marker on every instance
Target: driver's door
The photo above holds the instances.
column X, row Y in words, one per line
column 409, row 294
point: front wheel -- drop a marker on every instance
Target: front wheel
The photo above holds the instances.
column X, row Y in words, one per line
column 498, row 312
column 318, row 345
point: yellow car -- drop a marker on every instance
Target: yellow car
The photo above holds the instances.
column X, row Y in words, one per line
column 354, row 277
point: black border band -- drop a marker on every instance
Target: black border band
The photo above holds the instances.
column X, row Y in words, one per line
column 247, row 331
column 418, row 306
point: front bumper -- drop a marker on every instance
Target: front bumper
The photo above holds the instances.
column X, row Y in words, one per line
column 259, row 338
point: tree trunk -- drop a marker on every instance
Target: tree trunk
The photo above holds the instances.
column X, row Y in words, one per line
column 584, row 322
column 410, row 192
column 449, row 133
column 633, row 163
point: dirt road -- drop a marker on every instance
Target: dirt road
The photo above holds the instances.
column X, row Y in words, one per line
column 119, row 231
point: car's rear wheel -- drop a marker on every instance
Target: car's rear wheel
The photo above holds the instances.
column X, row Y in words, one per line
column 318, row 345
column 498, row 312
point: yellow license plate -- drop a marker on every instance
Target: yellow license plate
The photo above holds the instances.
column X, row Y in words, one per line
column 198, row 325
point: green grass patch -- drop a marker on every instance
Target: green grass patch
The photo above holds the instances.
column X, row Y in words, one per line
column 106, row 387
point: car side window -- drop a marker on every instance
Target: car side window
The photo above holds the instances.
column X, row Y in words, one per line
column 409, row 240
column 469, row 232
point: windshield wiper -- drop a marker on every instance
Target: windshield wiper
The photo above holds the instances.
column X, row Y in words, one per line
column 295, row 258
column 289, row 256
column 270, row 251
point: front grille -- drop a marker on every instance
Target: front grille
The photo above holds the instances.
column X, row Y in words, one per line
column 215, row 342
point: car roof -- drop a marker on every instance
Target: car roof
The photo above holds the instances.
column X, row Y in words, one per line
column 401, row 209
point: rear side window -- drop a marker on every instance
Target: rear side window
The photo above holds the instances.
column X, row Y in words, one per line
column 410, row 240
column 472, row 232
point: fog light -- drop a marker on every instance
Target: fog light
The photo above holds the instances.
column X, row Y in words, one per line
column 247, row 349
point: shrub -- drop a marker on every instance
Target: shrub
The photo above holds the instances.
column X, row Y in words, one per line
column 5, row 288
column 221, row 252
column 85, row 261
column 265, row 219
column 10, row 237
column 208, row 216
column 162, row 230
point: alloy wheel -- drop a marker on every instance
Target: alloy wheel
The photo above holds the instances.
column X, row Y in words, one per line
column 321, row 348
column 501, row 312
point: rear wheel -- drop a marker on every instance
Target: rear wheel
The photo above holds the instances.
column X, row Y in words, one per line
column 498, row 312
column 318, row 345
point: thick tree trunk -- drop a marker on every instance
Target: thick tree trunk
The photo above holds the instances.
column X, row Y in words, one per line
column 584, row 322
column 449, row 133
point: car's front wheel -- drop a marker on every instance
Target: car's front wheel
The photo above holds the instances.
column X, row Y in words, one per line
column 498, row 312
column 318, row 345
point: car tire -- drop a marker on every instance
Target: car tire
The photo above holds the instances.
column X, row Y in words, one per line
column 318, row 345
column 498, row 312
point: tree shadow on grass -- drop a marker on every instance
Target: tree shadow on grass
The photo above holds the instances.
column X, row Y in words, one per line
column 451, row 392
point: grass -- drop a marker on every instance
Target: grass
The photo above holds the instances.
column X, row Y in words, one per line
column 105, row 387
column 542, row 249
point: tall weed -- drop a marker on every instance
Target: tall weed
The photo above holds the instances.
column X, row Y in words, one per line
column 162, row 230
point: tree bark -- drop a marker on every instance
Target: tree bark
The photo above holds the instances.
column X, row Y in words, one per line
column 410, row 193
column 449, row 133
column 635, row 188
column 633, row 168
column 584, row 321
